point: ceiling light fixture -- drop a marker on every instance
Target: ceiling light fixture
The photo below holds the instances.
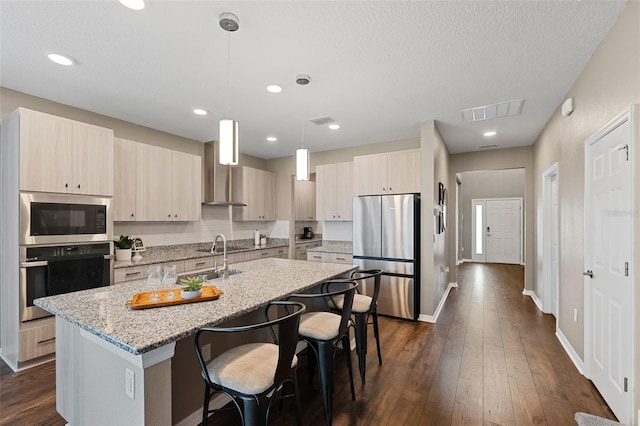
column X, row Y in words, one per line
column 272, row 139
column 302, row 154
column 133, row 4
column 489, row 134
column 274, row 88
column 334, row 126
column 198, row 111
column 60, row 59
column 228, row 128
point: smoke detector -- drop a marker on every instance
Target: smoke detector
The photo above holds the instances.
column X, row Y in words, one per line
column 229, row 22
column 303, row 79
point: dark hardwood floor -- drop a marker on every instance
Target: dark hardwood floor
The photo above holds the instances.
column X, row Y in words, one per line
column 491, row 359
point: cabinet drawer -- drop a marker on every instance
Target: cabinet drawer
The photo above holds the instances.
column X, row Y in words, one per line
column 341, row 258
column 197, row 264
column 135, row 273
column 38, row 340
column 330, row 257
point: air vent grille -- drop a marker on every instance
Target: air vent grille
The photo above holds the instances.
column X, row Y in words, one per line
column 489, row 112
column 488, row 146
column 321, row 121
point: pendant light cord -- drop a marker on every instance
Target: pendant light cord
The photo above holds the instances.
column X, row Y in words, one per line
column 228, row 74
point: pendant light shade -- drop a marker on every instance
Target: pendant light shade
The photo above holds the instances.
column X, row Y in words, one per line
column 228, row 142
column 302, row 164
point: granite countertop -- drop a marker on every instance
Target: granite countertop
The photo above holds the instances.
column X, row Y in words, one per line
column 175, row 253
column 342, row 247
column 103, row 311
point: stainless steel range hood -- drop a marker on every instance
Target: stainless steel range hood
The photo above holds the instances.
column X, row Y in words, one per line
column 218, row 181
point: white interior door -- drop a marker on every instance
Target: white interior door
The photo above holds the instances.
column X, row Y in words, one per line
column 503, row 230
column 608, row 255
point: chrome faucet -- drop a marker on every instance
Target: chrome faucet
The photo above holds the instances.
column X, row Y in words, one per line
column 225, row 265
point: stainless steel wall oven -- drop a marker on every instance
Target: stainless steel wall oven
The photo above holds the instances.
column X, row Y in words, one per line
column 52, row 270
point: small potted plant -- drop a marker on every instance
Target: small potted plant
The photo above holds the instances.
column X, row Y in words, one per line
column 191, row 287
column 123, row 247
column 263, row 239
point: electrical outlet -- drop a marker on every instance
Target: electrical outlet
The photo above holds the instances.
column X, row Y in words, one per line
column 206, row 352
column 575, row 315
column 129, row 383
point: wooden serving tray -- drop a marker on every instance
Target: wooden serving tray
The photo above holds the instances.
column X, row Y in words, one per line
column 142, row 300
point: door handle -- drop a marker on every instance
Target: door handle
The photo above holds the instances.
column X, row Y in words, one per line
column 589, row 273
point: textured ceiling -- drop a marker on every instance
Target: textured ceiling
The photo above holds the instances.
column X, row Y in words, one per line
column 379, row 68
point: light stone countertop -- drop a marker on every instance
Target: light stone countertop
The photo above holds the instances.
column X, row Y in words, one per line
column 341, row 247
column 162, row 254
column 103, row 311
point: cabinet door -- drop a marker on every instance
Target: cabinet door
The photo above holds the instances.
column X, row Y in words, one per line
column 305, row 194
column 124, row 188
column 370, row 174
column 186, row 184
column 344, row 191
column 322, row 175
column 403, row 172
column 268, row 195
column 46, row 160
column 153, row 183
column 92, row 160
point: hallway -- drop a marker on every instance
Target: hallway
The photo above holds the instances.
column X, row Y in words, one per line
column 492, row 358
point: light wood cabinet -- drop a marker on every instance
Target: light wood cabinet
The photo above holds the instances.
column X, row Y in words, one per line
column 301, row 249
column 389, row 173
column 65, row 156
column 37, row 338
column 156, row 184
column 316, row 256
column 305, row 197
column 257, row 189
column 334, row 192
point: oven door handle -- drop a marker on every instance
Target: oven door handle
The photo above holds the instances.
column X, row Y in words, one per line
column 39, row 263
column 109, row 256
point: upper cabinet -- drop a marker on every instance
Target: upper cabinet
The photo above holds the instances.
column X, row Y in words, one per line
column 389, row 173
column 257, row 189
column 334, row 192
column 156, row 184
column 66, row 156
column 305, row 195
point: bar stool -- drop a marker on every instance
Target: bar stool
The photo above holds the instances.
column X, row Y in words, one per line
column 253, row 374
column 363, row 307
column 325, row 332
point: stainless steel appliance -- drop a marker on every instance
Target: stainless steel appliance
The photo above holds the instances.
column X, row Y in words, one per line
column 64, row 219
column 386, row 235
column 51, row 270
column 307, row 233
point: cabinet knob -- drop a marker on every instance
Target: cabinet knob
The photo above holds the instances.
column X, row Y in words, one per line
column 78, row 186
column 384, row 189
column 66, row 185
column 131, row 214
column 390, row 189
column 169, row 215
column 175, row 215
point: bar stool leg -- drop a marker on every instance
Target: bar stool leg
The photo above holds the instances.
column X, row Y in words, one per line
column 361, row 343
column 296, row 398
column 376, row 333
column 346, row 344
column 325, row 365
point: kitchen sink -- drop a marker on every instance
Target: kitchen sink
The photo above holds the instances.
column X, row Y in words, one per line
column 209, row 275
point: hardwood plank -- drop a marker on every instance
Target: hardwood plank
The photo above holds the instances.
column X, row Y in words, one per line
column 497, row 395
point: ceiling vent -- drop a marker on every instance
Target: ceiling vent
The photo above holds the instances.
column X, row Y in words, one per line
column 489, row 112
column 488, row 146
column 321, row 121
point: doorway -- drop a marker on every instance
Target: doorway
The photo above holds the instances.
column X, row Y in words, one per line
column 497, row 230
column 608, row 256
column 550, row 238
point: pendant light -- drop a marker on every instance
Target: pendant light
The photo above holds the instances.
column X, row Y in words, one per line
column 228, row 128
column 302, row 154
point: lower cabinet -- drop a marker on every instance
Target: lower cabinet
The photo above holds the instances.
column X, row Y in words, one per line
column 316, row 256
column 37, row 338
column 301, row 249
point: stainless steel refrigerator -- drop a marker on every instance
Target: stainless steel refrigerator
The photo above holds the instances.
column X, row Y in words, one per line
column 386, row 235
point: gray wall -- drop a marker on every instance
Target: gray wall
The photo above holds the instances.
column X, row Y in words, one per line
column 507, row 183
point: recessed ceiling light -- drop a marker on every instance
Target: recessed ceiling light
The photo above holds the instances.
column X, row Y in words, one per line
column 133, row 4
column 492, row 133
column 272, row 139
column 274, row 88
column 198, row 111
column 60, row 59
column 334, row 126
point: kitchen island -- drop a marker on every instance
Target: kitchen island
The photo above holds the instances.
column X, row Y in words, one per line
column 113, row 363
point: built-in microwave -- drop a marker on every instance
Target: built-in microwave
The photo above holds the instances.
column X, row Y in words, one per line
column 64, row 219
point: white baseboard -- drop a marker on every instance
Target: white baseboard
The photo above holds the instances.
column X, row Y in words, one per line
column 467, row 260
column 534, row 296
column 575, row 358
column 433, row 318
